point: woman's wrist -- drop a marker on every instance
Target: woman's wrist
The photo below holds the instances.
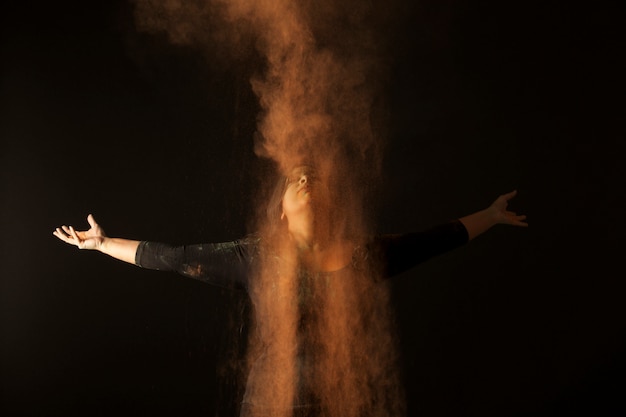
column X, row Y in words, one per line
column 119, row 248
column 102, row 244
column 491, row 216
column 479, row 222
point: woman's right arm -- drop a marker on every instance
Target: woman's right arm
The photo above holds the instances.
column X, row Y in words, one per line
column 223, row 264
column 95, row 239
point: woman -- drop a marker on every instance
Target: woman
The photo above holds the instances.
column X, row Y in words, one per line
column 308, row 284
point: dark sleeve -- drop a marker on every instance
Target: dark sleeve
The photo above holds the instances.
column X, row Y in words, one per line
column 400, row 252
column 223, row 264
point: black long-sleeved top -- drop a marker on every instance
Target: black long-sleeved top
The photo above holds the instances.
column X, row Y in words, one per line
column 229, row 265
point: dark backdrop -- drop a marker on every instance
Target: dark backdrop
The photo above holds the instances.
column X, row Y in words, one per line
column 484, row 97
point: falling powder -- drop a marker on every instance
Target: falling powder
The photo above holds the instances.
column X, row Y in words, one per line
column 325, row 344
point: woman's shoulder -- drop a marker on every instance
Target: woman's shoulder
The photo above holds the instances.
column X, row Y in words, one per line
column 251, row 239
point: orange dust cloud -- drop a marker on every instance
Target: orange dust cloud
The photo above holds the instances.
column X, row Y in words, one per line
column 324, row 335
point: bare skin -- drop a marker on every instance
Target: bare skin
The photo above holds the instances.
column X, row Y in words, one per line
column 307, row 212
column 95, row 239
column 317, row 247
column 323, row 251
column 497, row 213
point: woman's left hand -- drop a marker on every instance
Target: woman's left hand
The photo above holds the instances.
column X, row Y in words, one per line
column 501, row 215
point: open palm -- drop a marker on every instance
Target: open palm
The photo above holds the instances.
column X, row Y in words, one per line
column 505, row 216
column 88, row 239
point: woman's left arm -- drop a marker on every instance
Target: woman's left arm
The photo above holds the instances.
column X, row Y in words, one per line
column 497, row 213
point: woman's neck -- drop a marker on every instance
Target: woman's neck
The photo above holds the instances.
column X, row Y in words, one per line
column 309, row 234
column 321, row 249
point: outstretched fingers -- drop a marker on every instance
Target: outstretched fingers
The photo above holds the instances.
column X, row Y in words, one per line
column 503, row 200
column 63, row 233
column 509, row 195
column 515, row 219
column 508, row 216
column 73, row 233
column 87, row 239
column 68, row 235
column 519, row 221
column 92, row 221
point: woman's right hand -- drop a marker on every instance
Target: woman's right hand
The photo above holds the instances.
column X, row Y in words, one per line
column 89, row 239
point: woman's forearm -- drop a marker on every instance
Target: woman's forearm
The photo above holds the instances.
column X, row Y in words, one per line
column 479, row 222
column 122, row 249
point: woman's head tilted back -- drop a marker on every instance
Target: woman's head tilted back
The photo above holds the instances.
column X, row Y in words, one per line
column 310, row 197
column 293, row 195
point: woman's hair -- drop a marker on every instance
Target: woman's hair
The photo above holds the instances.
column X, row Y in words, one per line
column 275, row 201
column 271, row 225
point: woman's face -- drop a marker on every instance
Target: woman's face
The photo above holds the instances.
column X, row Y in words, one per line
column 301, row 184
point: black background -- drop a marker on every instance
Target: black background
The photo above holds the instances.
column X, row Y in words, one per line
column 484, row 97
